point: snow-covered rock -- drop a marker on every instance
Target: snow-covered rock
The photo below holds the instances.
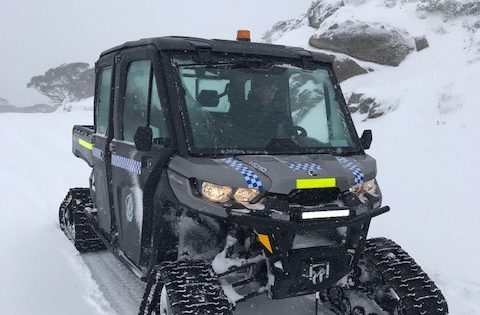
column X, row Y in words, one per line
column 345, row 68
column 368, row 107
column 320, row 10
column 448, row 8
column 374, row 42
column 282, row 27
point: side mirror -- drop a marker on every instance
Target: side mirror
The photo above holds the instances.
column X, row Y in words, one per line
column 208, row 98
column 366, row 139
column 143, row 138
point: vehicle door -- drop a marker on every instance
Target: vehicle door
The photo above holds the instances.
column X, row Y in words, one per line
column 101, row 176
column 141, row 103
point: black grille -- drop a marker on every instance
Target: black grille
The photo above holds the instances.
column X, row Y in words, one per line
column 313, row 197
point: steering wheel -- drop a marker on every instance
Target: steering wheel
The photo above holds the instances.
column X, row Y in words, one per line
column 300, row 131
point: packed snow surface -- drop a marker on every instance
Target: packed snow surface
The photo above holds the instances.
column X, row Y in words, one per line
column 427, row 152
column 427, row 171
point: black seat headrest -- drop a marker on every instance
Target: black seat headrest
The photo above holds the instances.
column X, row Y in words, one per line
column 208, row 98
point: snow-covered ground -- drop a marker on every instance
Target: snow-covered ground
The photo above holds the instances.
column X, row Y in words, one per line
column 427, row 170
column 40, row 271
column 427, row 151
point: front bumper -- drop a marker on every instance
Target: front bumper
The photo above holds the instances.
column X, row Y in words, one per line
column 263, row 223
column 300, row 269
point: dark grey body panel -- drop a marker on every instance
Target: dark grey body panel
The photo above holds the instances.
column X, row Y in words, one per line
column 275, row 172
column 283, row 178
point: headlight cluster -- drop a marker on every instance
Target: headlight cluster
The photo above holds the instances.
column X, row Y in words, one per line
column 369, row 187
column 217, row 193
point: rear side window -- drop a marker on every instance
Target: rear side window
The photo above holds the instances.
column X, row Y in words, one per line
column 103, row 100
column 135, row 108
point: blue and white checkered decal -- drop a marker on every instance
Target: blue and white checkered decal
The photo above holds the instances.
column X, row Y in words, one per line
column 253, row 181
column 127, row 164
column 304, row 166
column 96, row 152
column 356, row 171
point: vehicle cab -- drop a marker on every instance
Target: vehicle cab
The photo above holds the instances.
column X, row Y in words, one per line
column 228, row 129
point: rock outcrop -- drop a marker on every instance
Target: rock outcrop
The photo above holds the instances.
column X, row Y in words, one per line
column 372, row 42
column 320, row 10
column 359, row 103
column 345, row 68
column 282, row 27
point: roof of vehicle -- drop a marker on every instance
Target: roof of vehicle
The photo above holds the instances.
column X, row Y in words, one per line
column 173, row 43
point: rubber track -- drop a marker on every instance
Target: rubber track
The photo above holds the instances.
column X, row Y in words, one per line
column 418, row 294
column 192, row 288
column 86, row 240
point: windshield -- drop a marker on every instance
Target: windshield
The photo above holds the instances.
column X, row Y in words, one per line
column 251, row 107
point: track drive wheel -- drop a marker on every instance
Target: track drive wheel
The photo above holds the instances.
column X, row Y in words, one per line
column 74, row 222
column 184, row 287
column 410, row 289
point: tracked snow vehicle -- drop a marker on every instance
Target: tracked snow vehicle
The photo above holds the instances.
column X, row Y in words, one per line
column 222, row 170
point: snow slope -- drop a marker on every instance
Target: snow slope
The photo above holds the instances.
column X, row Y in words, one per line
column 426, row 170
column 40, row 271
column 427, row 152
column 427, row 148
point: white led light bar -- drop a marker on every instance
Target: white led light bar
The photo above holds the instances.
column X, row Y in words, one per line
column 325, row 214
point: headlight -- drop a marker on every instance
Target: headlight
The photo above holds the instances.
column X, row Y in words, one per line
column 369, row 187
column 216, row 193
column 246, row 194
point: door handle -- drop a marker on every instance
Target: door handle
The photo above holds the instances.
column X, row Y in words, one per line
column 111, row 147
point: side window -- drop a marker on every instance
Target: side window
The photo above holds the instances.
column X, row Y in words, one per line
column 103, row 100
column 135, row 104
column 157, row 116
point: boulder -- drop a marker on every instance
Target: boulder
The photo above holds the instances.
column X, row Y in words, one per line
column 345, row 68
column 320, row 10
column 372, row 42
column 421, row 43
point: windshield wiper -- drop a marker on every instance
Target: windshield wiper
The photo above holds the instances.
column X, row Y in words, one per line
column 282, row 144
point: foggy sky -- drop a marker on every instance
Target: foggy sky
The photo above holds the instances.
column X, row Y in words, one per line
column 36, row 35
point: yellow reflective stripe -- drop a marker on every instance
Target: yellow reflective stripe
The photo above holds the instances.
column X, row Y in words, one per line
column 85, row 144
column 309, row 183
column 265, row 240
